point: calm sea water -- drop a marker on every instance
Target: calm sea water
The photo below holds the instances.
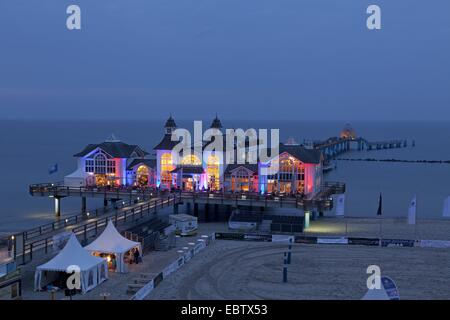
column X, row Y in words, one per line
column 29, row 148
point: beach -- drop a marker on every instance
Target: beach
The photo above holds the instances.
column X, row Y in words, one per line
column 230, row 269
column 253, row 270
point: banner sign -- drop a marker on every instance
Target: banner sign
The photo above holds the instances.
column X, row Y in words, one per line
column 144, row 291
column 434, row 243
column 157, row 279
column 364, row 241
column 306, row 240
column 258, row 237
column 397, row 243
column 229, row 236
column 332, row 240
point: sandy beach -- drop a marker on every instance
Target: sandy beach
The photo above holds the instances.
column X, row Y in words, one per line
column 230, row 269
column 253, row 270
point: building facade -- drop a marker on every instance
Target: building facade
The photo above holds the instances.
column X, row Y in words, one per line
column 115, row 163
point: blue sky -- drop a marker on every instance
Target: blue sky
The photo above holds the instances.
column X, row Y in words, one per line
column 264, row 59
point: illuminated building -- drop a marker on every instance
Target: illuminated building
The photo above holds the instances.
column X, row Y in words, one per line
column 111, row 163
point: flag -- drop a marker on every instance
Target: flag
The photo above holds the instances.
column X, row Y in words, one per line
column 53, row 169
column 412, row 211
column 446, row 210
column 380, row 206
column 340, row 205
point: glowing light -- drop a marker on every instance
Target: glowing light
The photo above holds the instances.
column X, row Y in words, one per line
column 12, row 237
column 87, row 213
column 123, row 202
column 191, row 243
column 67, row 220
column 185, row 248
column 108, row 258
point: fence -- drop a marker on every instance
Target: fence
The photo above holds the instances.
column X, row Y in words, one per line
column 92, row 228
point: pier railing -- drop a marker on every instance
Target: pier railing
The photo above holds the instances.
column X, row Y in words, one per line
column 62, row 223
column 89, row 228
column 59, row 190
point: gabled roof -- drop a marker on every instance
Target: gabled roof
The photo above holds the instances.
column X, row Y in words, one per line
column 166, row 143
column 116, row 149
column 151, row 163
column 302, row 154
column 251, row 167
column 313, row 156
column 72, row 254
column 111, row 241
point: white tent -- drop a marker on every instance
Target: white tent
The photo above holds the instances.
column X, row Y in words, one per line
column 112, row 242
column 76, row 178
column 93, row 270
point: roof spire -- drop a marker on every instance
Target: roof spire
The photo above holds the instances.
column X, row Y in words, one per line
column 112, row 138
column 216, row 124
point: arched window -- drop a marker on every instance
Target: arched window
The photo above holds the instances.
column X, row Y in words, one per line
column 100, row 164
column 166, row 168
column 213, row 173
column 191, row 159
column 142, row 175
column 290, row 176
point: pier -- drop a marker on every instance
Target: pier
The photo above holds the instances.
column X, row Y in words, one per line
column 336, row 146
column 129, row 207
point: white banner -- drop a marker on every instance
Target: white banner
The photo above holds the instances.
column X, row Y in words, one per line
column 446, row 209
column 144, row 291
column 332, row 240
column 282, row 238
column 340, row 205
column 435, row 243
column 412, row 211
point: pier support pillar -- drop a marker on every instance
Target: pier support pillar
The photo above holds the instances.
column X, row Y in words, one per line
column 188, row 207
column 306, row 222
column 216, row 212
column 83, row 204
column 105, row 202
column 58, row 207
column 175, row 209
column 196, row 209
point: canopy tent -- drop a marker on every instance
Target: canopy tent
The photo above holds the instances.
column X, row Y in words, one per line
column 76, row 178
column 112, row 242
column 93, row 270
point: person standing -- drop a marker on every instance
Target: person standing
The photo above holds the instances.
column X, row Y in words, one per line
column 136, row 255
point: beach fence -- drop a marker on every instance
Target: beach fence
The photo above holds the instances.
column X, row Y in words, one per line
column 185, row 257
column 380, row 228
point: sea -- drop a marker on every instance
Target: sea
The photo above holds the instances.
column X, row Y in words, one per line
column 28, row 149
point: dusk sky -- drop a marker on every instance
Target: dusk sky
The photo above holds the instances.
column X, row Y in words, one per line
column 264, row 59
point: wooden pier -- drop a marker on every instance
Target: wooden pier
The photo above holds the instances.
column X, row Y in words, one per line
column 336, row 146
column 134, row 206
